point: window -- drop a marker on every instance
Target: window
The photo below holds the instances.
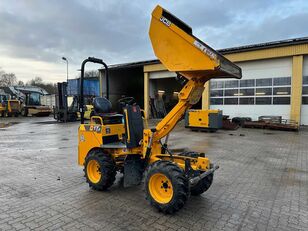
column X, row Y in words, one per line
column 215, row 93
column 217, row 84
column 281, row 100
column 231, row 92
column 231, row 101
column 263, row 100
column 305, row 100
column 247, row 83
column 216, row 101
column 282, row 81
column 305, row 79
column 231, row 83
column 249, row 91
column 34, row 99
column 305, row 90
column 263, row 91
column 264, row 82
column 282, row 90
column 249, row 100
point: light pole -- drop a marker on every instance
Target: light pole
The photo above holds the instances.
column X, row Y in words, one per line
column 65, row 59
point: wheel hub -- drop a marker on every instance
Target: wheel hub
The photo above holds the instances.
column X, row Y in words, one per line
column 160, row 188
column 94, row 171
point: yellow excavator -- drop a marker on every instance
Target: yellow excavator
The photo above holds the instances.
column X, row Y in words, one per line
column 114, row 142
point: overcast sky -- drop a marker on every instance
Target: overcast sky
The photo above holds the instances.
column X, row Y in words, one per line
column 34, row 35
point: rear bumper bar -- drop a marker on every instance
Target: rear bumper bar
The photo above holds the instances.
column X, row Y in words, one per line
column 193, row 181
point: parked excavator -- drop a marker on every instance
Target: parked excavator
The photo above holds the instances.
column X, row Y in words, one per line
column 118, row 142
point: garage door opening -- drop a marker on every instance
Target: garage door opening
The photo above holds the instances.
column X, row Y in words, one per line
column 164, row 96
column 124, row 81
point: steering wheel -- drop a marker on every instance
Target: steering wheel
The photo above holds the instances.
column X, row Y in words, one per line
column 127, row 100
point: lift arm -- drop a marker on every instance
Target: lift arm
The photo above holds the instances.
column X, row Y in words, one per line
column 181, row 52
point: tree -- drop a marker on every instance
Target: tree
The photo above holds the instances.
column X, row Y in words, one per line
column 91, row 73
column 20, row 83
column 51, row 88
column 37, row 81
column 7, row 79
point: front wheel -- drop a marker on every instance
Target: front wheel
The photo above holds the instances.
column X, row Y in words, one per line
column 166, row 186
column 24, row 112
column 100, row 170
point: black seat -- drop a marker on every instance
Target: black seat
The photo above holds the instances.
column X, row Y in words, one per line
column 133, row 125
column 102, row 108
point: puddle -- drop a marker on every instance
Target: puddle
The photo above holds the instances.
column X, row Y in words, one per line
column 5, row 125
column 46, row 122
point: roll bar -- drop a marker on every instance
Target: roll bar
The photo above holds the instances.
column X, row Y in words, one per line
column 81, row 99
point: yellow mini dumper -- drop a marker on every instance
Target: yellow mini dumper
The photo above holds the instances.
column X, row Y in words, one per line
column 113, row 143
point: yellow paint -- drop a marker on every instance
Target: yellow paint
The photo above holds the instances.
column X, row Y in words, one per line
column 268, row 53
column 146, row 93
column 12, row 107
column 206, row 97
column 88, row 111
column 203, row 163
column 154, row 67
column 296, row 89
column 200, row 118
column 127, row 125
column 160, row 188
column 183, row 53
column 93, row 171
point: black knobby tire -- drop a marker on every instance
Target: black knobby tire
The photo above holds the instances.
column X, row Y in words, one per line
column 202, row 186
column 107, row 169
column 179, row 183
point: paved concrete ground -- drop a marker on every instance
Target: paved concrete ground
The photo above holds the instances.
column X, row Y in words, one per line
column 262, row 183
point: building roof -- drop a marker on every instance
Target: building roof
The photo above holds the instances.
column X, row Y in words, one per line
column 252, row 47
column 259, row 46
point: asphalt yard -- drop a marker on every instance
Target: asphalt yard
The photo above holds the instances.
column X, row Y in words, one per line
column 261, row 184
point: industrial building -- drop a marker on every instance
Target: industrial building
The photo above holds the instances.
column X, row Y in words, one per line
column 275, row 82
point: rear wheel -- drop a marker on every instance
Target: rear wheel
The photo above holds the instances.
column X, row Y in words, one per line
column 100, row 170
column 202, row 186
column 166, row 186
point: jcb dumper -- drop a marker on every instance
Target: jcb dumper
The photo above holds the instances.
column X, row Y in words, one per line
column 118, row 142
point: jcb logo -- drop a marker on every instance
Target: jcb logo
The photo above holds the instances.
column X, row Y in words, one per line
column 165, row 21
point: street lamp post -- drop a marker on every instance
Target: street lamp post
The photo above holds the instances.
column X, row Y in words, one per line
column 65, row 59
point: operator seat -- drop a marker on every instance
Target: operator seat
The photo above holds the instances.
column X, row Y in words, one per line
column 102, row 107
column 133, row 125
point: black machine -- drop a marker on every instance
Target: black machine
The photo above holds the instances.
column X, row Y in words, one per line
column 62, row 111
